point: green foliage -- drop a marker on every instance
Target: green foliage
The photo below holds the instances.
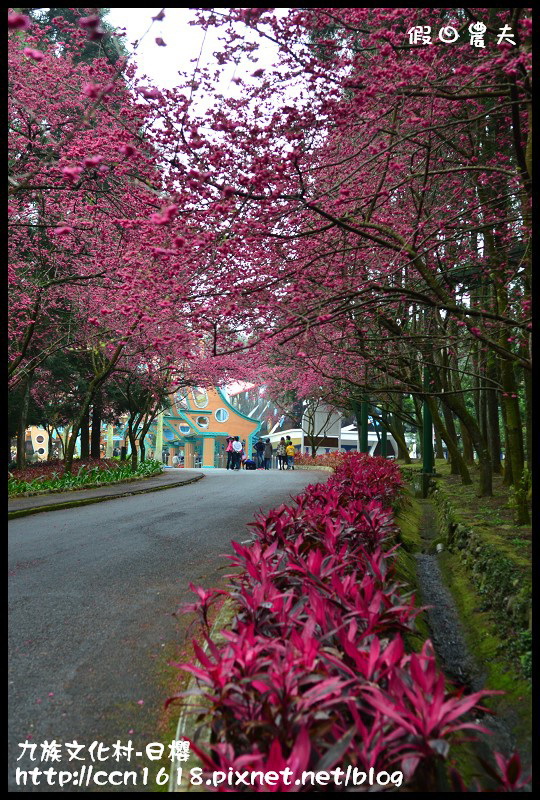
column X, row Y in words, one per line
column 84, row 479
column 107, row 47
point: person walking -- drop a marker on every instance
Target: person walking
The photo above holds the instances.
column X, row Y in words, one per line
column 281, row 453
column 259, row 450
column 229, row 451
column 268, row 454
column 290, row 450
column 237, row 452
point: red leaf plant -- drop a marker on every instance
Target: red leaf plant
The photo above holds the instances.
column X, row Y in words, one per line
column 313, row 670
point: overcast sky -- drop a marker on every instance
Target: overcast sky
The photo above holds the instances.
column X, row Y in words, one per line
column 161, row 64
column 183, row 43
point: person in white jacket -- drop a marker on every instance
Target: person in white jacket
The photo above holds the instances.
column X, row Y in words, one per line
column 237, row 450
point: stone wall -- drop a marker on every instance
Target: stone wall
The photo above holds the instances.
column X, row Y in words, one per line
column 501, row 580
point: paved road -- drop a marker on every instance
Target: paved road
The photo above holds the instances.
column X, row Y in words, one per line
column 92, row 596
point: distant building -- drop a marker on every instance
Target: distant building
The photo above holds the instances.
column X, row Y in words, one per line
column 195, row 427
column 328, row 429
column 345, row 441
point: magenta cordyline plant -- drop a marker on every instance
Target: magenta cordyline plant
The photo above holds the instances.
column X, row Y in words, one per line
column 206, row 599
column 223, row 759
column 313, row 670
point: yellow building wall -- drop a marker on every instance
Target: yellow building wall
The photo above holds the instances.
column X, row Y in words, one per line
column 212, row 428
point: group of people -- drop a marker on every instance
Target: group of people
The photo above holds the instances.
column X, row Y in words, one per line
column 236, row 455
column 262, row 456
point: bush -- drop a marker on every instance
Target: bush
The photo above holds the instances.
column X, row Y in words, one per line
column 49, row 476
column 313, row 673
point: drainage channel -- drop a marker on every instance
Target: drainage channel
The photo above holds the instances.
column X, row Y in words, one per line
column 449, row 642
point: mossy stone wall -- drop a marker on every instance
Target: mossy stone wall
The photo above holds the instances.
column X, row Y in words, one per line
column 501, row 578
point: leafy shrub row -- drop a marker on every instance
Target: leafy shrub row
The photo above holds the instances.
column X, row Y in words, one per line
column 313, row 674
column 88, row 475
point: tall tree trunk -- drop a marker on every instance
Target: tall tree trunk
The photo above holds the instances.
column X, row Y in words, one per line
column 95, row 445
column 438, row 444
column 85, row 434
column 142, row 435
column 456, row 459
column 514, row 437
column 355, row 405
column 418, row 411
column 133, row 442
column 62, row 445
column 468, row 452
column 49, row 429
column 474, row 435
column 508, row 478
column 397, row 433
column 482, row 404
column 77, row 424
column 451, row 443
column 476, row 380
column 21, row 430
column 395, row 426
column 492, row 416
column 514, row 452
column 101, row 372
column 527, row 377
column 134, row 422
column 493, row 432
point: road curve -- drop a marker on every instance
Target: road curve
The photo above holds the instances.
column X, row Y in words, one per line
column 92, row 592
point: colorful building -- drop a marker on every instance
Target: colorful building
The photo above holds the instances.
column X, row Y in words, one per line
column 195, row 428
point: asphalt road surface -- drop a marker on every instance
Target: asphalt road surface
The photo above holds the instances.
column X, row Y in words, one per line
column 92, row 602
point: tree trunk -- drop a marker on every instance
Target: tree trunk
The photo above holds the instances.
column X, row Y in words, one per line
column 78, row 424
column 355, row 405
column 70, row 449
column 21, row 431
column 507, row 465
column 528, row 417
column 62, row 445
column 515, row 455
column 133, row 442
column 493, row 433
column 49, row 430
column 483, row 416
column 395, row 426
column 514, row 439
column 453, row 449
column 438, row 445
column 95, row 446
column 85, row 434
column 456, row 459
column 476, row 380
column 468, row 452
column 469, row 426
column 492, row 415
column 97, row 381
column 149, row 418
